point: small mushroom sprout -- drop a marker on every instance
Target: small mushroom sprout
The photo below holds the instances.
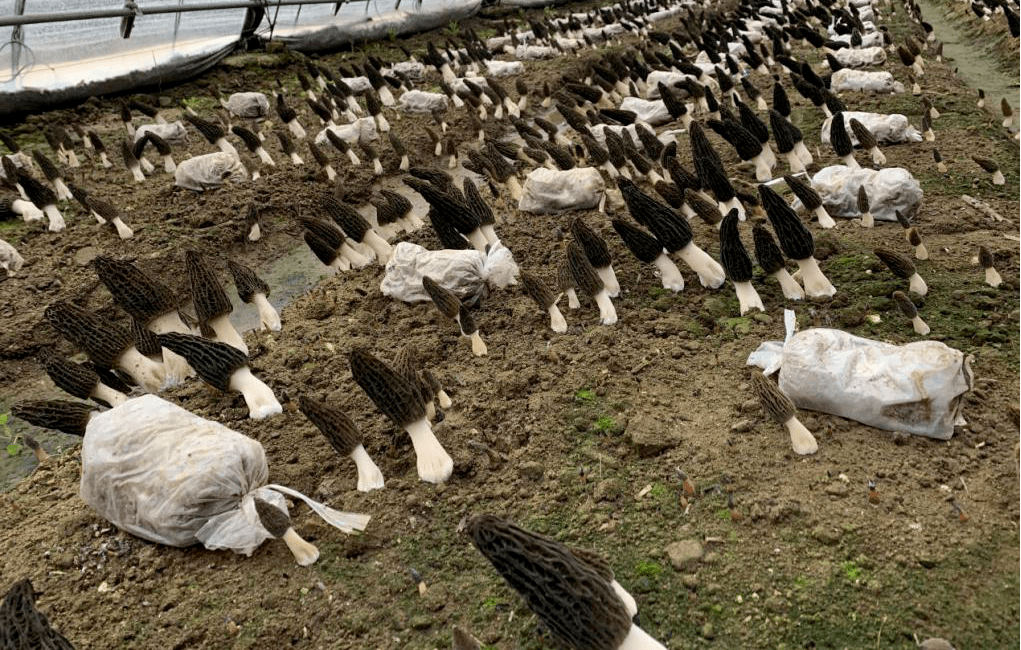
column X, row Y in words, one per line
column 543, row 296
column 738, row 265
column 781, row 409
column 810, row 199
column 278, row 524
column 867, row 220
column 451, row 307
column 909, row 310
column 991, row 167
column 902, row 267
column 344, row 436
column 985, row 258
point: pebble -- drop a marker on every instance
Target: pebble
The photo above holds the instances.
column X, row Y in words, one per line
column 684, row 553
column 690, row 580
column 708, row 631
column 83, row 256
column 741, row 426
column 837, row 489
column 826, row 535
column 532, row 471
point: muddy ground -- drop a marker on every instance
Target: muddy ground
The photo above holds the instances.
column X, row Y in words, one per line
column 580, row 436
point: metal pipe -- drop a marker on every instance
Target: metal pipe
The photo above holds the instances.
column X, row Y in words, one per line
column 65, row 16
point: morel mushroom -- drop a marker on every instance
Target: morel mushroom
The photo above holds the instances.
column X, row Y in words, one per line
column 915, row 239
column 44, row 199
column 278, row 524
column 69, row 417
column 783, row 133
column 341, row 145
column 401, row 402
column 566, row 283
column 985, row 258
column 97, row 144
column 867, row 141
column 985, row 163
column 543, row 296
column 902, row 267
column 864, row 208
column 213, row 133
column 810, row 199
column 737, row 264
column 780, row 407
column 254, row 144
column 648, row 249
column 344, row 436
column 598, row 253
column 253, row 290
column 212, row 306
column 796, row 242
column 451, row 307
column 289, row 117
column 771, row 260
column 78, row 380
column 841, row 142
column 588, row 280
column 52, row 174
column 909, row 310
column 225, row 368
column 357, row 228
column 131, row 162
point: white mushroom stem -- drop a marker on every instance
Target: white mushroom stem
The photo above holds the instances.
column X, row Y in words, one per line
column 607, row 312
column 652, row 177
column 920, row 326
column 747, row 297
column 609, row 279
column 264, row 157
column 572, row 299
column 72, row 157
column 438, row 149
column 867, row 219
column 803, row 152
column 416, row 221
column 998, row 178
column 143, row 162
column 993, row 278
column 226, row 333
column 296, row 129
column 794, row 162
column 123, row 231
column 688, row 213
column 917, row 67
column 434, row 464
column 557, row 322
column 227, row 147
column 354, row 257
column 709, row 271
column 733, row 204
column 452, row 161
column 512, row 108
column 850, row 162
column 130, row 128
column 169, row 166
column 790, row 287
column 136, row 173
column 802, row 440
column 405, row 163
column 176, row 366
column 514, row 186
column 825, row 220
column 816, row 284
column 108, row 395
column 479, row 348
column 296, row 160
column 255, row 232
column 304, row 553
column 522, row 103
column 26, row 209
column 669, row 274
column 381, row 123
column 917, row 285
column 458, row 102
column 353, row 157
column 378, row 246
column 369, row 476
column 941, row 167
column 338, row 264
column 760, row 102
column 430, row 411
column 256, row 175
column 55, row 219
column 104, row 160
column 268, row 316
column 331, row 174
column 149, row 374
column 489, row 233
column 478, row 240
column 353, row 106
column 385, row 96
column 921, row 252
column 763, row 170
column 258, row 396
column 448, row 74
column 639, row 639
column 62, row 192
column 929, row 135
column 1008, row 121
column 629, row 601
column 878, row 157
column 498, row 111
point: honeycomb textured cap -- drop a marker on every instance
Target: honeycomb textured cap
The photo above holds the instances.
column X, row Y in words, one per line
column 393, row 395
column 69, row 417
column 247, row 282
column 207, row 295
column 134, row 291
column 273, row 519
column 99, row 338
column 213, row 361
column 341, row 432
column 777, row 405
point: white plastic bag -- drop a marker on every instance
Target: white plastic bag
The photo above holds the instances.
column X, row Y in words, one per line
column 250, row 104
column 652, row 112
column 547, row 191
column 417, row 101
column 363, row 129
column 209, row 171
column 172, row 133
column 465, row 272
column 889, row 189
column 891, row 129
column 497, row 68
column 861, row 57
column 534, row 52
column 10, row 260
column 873, row 81
column 164, row 474
column 916, row 388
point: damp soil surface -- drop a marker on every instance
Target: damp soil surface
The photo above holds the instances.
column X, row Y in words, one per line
column 584, row 436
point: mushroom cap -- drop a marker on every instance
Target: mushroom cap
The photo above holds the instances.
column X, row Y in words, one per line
column 751, row 122
column 795, row 239
column 321, row 158
column 672, row 231
column 804, row 191
column 49, row 169
column 681, row 176
column 746, row 144
column 466, row 320
column 393, row 395
column 142, row 107
column 145, row 340
column 209, row 130
column 73, row 378
column 708, row 165
column 99, row 338
column 286, row 143
column 285, row 112
column 863, row 199
column 407, row 365
column 273, row 519
column 596, row 250
column 161, row 145
column 329, row 234
column 69, row 417
column 733, row 255
column 766, row 251
column 476, row 204
column 39, row 194
column 643, row 245
column 372, row 103
column 862, row 134
column 214, row 362
column 397, row 145
column 97, row 143
column 987, row 164
column 653, row 146
column 809, row 91
column 320, row 247
column 673, row 104
column 247, row 282
column 338, row 142
column 582, row 270
column 670, row 193
column 914, row 238
column 707, row 211
column 444, row 299
column 565, row 280
column 392, row 207
column 341, row 432
column 985, row 258
column 839, row 138
column 445, row 230
column 568, row 594
column 537, row 290
column 777, row 405
column 353, row 224
column 900, row 265
column 781, row 104
column 450, row 207
column 906, row 306
column 135, row 292
column 207, row 295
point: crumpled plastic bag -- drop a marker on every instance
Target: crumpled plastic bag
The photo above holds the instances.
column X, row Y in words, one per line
column 497, row 68
column 417, row 101
column 889, row 189
column 547, row 191
column 361, row 130
column 667, row 77
column 209, row 171
column 534, row 52
column 874, row 81
column 173, row 133
column 860, row 57
column 916, row 388
column 358, row 85
column 467, row 273
column 652, row 112
column 164, row 474
column 413, row 69
column 248, row 105
column 10, row 260
column 891, row 129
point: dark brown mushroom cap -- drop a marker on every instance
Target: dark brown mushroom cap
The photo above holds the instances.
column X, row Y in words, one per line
column 74, row 379
column 707, row 211
column 597, row 153
column 50, row 170
column 142, row 107
column 805, row 192
column 795, row 239
column 368, row 150
column 584, row 273
column 754, row 61
column 900, row 265
column 339, row 143
column 138, row 147
column 436, row 177
column 451, row 208
column 681, row 176
column 767, row 253
column 809, row 91
column 429, row 384
column 214, row 362
column 7, row 212
column 904, row 303
column 392, row 207
column 863, row 200
column 751, row 122
column 466, row 320
column 834, row 103
column 586, row 93
column 985, row 258
column 320, row 247
column 547, row 126
column 128, row 154
column 321, row 158
column 520, row 87
column 247, row 282
column 273, row 519
column 777, row 405
column 565, row 280
column 248, row 137
column 476, row 204
column 569, row 595
column 209, row 130
column 329, row 234
column 781, row 104
column 597, row 562
column 672, row 231
column 862, row 134
column 733, row 255
column 125, row 112
column 97, row 143
column 674, row 105
column 708, row 165
column 397, row 145
column 353, row 224
column 746, row 144
column 986, row 164
column 286, row 143
column 285, row 112
column 448, row 235
column 906, row 57
column 614, row 149
column 1005, row 107
column 393, row 395
column 444, row 299
column 565, row 161
column 653, row 146
column 135, row 292
column 372, row 103
column 643, row 245
column 341, row 432
column 207, row 295
column 24, row 626
column 573, row 118
column 69, row 417
column 926, row 122
column 782, row 132
column 914, row 237
column 670, row 193
column 9, row 142
column 407, row 365
column 596, row 250
column 161, row 145
column 839, row 138
column 145, row 340
column 640, row 162
column 99, row 338
column 39, row 194
column 537, row 290
column 320, row 109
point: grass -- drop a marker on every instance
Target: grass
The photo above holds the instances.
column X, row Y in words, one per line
column 585, row 396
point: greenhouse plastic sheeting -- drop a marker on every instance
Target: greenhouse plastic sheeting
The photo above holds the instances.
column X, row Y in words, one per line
column 315, row 28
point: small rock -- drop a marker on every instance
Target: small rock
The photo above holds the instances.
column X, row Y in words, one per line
column 690, row 580
column 936, row 643
column 532, row 471
column 837, row 489
column 712, row 557
column 421, row 622
column 741, row 426
column 749, row 406
column 607, row 490
column 649, row 436
column 826, row 535
column 762, row 317
column 684, row 553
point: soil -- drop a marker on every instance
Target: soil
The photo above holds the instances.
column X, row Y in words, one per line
column 584, row 436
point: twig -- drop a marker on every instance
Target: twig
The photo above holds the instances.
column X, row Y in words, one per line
column 982, row 207
column 965, row 486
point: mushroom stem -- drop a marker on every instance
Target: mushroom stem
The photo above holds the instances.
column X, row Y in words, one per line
column 803, row 153
column 850, row 162
column 177, row 367
column 489, row 233
column 378, row 246
column 478, row 240
column 917, row 285
column 108, row 395
column 386, row 97
column 104, row 160
column 763, row 171
column 55, row 219
column 557, row 322
column 825, row 220
column 353, row 257
column 227, row 147
column 296, row 160
column 226, row 333
column 149, row 374
column 304, row 552
column 629, row 601
column 998, row 178
column 993, row 278
column 878, row 157
column 268, row 316
column 264, row 157
column 920, row 326
column 26, row 209
column 258, row 396
column 444, row 399
column 609, row 279
column 381, row 123
column 296, row 129
column 63, row 193
column 816, row 284
column 709, row 271
column 514, row 186
column 669, row 274
column 353, row 157
column 572, row 299
column 169, row 166
column 747, row 297
column 802, row 440
column 607, row 312
column 794, row 162
column 136, row 173
column 867, row 219
column 143, row 162
column 790, row 287
column 639, row 639
column 479, row 348
column 733, row 204
column 369, row 476
column 123, row 231
column 331, row 174
column 434, row 464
